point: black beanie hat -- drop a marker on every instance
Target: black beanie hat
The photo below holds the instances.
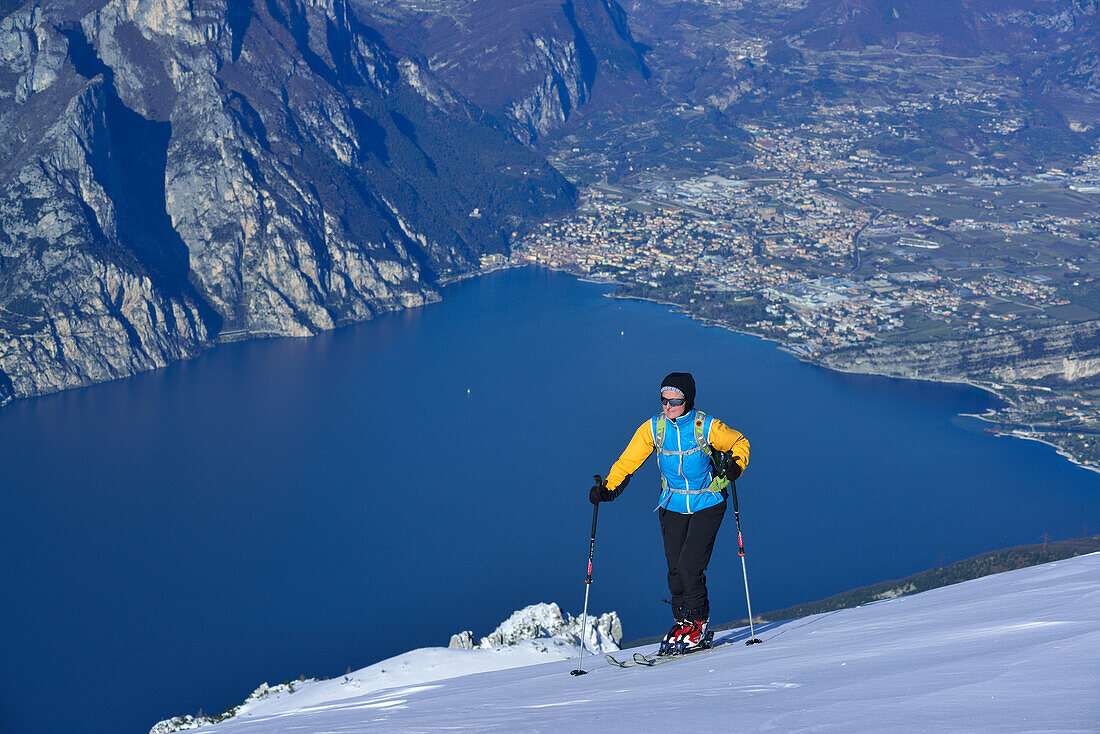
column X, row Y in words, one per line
column 685, row 384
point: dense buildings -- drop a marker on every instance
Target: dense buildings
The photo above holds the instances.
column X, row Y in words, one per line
column 829, row 247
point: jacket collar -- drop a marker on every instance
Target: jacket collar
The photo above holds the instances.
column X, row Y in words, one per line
column 685, row 419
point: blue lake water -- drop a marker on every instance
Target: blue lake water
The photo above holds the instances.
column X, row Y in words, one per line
column 288, row 507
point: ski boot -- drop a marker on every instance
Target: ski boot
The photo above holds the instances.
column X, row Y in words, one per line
column 670, row 639
column 693, row 636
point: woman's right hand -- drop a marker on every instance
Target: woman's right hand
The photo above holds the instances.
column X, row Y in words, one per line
column 600, row 493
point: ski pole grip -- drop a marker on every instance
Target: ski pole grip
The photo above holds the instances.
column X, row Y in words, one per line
column 733, row 493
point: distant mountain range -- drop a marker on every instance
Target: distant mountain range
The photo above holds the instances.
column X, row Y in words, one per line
column 962, row 27
column 1053, row 45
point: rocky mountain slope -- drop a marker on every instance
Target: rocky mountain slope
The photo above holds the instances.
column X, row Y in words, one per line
column 175, row 170
column 533, row 64
column 1069, row 352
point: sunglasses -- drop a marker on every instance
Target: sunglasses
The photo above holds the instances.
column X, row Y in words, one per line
column 671, row 401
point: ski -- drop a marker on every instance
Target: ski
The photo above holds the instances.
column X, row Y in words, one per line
column 650, row 661
column 653, row 660
column 619, row 663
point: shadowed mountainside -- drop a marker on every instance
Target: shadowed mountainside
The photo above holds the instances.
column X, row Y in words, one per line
column 534, row 64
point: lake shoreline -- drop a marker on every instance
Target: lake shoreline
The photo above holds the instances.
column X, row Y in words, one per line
column 795, row 351
column 802, row 356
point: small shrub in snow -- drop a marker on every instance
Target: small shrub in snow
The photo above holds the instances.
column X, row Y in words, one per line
column 183, row 723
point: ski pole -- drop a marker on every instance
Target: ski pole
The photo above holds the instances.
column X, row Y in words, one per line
column 741, row 552
column 588, row 582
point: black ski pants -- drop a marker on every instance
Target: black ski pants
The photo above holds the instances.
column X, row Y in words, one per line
column 689, row 540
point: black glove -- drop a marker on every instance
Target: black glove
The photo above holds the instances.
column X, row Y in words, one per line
column 726, row 466
column 600, row 493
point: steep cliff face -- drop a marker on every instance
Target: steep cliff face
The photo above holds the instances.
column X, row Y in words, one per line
column 1070, row 351
column 178, row 169
column 534, row 64
column 77, row 305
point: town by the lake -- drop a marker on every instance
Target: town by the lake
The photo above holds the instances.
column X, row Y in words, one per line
column 835, row 250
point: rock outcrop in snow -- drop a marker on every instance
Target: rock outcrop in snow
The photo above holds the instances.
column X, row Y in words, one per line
column 602, row 633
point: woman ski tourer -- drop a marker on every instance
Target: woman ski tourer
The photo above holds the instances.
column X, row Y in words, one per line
column 693, row 497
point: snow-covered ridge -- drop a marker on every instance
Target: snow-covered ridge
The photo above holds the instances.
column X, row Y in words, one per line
column 535, row 634
column 1005, row 654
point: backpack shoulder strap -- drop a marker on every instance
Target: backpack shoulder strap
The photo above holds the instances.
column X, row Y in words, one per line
column 659, row 423
column 701, row 426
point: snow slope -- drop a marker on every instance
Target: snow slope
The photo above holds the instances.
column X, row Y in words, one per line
column 1014, row 652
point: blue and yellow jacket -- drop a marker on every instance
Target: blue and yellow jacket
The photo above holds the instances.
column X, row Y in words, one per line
column 687, row 473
